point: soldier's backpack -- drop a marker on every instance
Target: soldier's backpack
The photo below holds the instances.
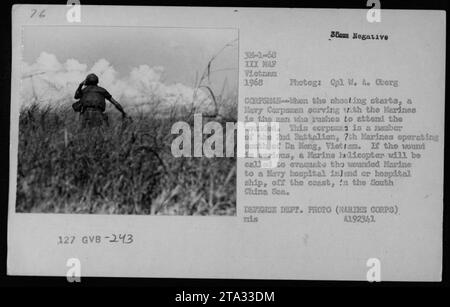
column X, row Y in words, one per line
column 77, row 106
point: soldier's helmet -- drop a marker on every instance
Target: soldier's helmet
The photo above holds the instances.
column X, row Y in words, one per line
column 91, row 79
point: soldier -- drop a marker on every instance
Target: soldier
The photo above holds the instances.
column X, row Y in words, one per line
column 92, row 103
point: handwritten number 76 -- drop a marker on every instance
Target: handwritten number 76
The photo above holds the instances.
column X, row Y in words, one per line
column 35, row 13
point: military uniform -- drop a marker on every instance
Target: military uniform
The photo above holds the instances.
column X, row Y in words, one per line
column 92, row 99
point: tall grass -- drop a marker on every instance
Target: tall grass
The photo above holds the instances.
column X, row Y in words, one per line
column 126, row 168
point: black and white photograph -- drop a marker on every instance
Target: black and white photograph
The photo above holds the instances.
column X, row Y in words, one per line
column 237, row 146
column 98, row 106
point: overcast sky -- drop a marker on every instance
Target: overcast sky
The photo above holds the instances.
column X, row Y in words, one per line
column 133, row 63
column 180, row 51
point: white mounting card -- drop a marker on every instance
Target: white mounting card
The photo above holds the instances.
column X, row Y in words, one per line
column 140, row 143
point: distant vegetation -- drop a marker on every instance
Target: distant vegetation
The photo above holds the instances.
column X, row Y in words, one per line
column 126, row 168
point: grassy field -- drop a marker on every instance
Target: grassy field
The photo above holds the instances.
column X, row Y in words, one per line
column 126, row 168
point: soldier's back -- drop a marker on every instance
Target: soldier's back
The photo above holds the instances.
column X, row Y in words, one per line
column 94, row 97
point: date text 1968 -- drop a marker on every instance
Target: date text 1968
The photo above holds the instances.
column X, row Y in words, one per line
column 113, row 238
